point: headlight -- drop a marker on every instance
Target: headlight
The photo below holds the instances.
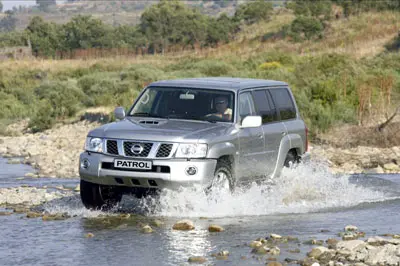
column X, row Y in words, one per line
column 94, row 144
column 191, row 151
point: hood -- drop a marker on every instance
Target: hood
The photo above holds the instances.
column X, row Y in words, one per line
column 160, row 130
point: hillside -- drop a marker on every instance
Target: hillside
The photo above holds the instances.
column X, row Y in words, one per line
column 341, row 78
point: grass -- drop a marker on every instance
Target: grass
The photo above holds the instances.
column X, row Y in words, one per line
column 326, row 75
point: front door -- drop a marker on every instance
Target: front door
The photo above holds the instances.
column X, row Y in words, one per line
column 251, row 142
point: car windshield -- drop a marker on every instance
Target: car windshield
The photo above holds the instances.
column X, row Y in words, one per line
column 185, row 103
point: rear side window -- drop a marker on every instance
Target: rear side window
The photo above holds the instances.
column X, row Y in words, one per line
column 264, row 105
column 284, row 103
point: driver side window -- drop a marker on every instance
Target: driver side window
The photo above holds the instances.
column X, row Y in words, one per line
column 246, row 105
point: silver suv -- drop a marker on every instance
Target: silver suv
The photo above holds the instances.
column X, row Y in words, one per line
column 216, row 132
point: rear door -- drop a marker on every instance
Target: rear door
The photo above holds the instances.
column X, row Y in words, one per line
column 273, row 129
column 251, row 141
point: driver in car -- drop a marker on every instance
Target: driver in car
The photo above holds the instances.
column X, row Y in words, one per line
column 221, row 106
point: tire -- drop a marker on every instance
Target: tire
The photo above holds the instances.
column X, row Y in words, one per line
column 98, row 197
column 222, row 170
column 291, row 159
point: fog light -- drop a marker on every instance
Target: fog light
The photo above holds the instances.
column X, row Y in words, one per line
column 85, row 164
column 191, row 170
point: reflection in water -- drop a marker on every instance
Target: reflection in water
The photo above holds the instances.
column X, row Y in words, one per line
column 181, row 245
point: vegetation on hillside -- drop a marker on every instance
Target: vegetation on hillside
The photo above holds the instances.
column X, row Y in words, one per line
column 331, row 83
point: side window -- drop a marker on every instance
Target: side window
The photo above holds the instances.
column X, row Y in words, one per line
column 284, row 103
column 264, row 106
column 246, row 105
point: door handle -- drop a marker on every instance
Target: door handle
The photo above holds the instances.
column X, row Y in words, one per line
column 260, row 136
column 283, row 133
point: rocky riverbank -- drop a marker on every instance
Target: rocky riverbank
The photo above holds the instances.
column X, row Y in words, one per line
column 55, row 153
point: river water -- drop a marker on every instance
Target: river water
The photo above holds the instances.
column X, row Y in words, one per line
column 306, row 202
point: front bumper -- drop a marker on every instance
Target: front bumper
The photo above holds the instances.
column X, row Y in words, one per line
column 166, row 173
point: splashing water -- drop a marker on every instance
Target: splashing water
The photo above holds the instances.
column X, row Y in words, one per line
column 309, row 187
column 306, row 188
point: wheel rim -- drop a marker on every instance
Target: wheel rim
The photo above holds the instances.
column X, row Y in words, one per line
column 221, row 180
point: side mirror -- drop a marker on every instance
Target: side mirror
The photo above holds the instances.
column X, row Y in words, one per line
column 251, row 121
column 119, row 113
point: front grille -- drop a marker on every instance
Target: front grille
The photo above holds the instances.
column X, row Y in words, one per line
column 146, row 149
column 112, row 147
column 164, row 150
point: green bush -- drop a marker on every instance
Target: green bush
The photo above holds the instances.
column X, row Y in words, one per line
column 212, row 67
column 44, row 118
column 306, row 28
column 11, row 107
column 64, row 97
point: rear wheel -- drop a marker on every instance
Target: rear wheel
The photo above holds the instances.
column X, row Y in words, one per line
column 223, row 177
column 291, row 159
column 99, row 197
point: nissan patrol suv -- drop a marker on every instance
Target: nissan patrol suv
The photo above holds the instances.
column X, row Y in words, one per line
column 215, row 132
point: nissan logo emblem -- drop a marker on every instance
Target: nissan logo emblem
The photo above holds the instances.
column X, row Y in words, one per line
column 137, row 149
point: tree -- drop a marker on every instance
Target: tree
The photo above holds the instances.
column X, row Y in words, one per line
column 317, row 9
column 171, row 22
column 45, row 4
column 1, row 6
column 254, row 11
column 45, row 37
column 84, row 32
column 8, row 23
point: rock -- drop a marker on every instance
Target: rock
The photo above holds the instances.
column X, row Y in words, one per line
column 13, row 161
column 255, row 244
column 223, row 253
column 332, row 241
column 124, row 215
column 183, row 225
column 197, row 259
column 384, row 255
column 55, row 217
column 147, row 229
column 157, row 223
column 317, row 252
column 261, row 250
column 376, row 170
column 33, row 215
column 215, row 228
column 351, row 245
column 5, row 213
column 376, row 241
column 275, row 236
column 89, row 235
column 296, row 250
column 274, row 263
column 274, row 251
column 314, row 242
column 77, row 188
column 350, row 237
column 391, row 167
column 351, row 228
column 396, row 236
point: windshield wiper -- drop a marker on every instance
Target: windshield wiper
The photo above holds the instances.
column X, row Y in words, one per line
column 148, row 115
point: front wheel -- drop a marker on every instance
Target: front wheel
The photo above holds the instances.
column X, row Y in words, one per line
column 99, row 197
column 223, row 177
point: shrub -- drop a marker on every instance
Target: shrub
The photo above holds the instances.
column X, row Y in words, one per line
column 306, row 28
column 44, row 118
column 270, row 65
column 212, row 67
column 10, row 107
column 64, row 97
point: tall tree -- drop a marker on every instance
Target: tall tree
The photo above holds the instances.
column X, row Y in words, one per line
column 45, row 4
column 1, row 6
column 8, row 23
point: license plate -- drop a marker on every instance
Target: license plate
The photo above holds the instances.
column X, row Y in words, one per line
column 132, row 164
